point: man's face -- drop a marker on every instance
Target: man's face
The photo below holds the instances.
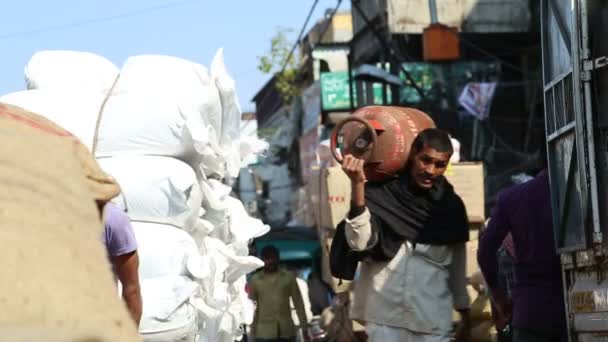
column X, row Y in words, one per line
column 427, row 165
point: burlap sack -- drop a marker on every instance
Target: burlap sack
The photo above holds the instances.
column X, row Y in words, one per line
column 56, row 275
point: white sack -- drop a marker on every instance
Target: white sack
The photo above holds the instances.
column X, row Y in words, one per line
column 231, row 114
column 221, row 220
column 70, row 71
column 240, row 248
column 162, row 106
column 242, row 306
column 213, row 164
column 163, row 250
column 140, row 123
column 217, row 251
column 242, row 226
column 183, row 82
column 229, row 266
column 188, row 333
column 250, row 147
column 222, row 326
column 241, row 266
column 156, row 189
column 166, row 306
column 215, row 194
column 75, row 111
column 201, row 230
column 234, row 308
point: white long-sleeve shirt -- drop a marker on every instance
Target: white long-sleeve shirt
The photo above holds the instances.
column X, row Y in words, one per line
column 415, row 290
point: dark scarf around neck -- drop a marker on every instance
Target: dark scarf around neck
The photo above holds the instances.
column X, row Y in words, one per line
column 401, row 211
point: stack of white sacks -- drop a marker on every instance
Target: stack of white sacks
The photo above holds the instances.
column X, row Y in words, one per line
column 168, row 130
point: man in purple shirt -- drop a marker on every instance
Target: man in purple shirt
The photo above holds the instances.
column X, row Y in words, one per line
column 537, row 296
column 119, row 239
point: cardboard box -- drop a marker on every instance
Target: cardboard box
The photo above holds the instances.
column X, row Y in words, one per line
column 468, row 182
column 471, row 246
column 329, row 190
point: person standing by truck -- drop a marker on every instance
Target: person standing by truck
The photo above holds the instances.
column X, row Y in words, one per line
column 413, row 229
column 537, row 310
column 271, row 289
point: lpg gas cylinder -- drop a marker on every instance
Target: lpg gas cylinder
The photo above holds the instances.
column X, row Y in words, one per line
column 380, row 135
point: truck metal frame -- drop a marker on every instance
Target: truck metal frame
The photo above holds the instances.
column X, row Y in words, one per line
column 576, row 116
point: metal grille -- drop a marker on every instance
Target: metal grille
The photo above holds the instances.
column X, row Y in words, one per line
column 568, row 99
column 550, row 112
column 560, row 104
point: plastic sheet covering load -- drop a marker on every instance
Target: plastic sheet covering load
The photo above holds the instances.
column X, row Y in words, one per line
column 156, row 189
column 70, row 71
column 75, row 111
column 57, row 267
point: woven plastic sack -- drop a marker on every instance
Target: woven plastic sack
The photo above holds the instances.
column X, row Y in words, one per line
column 243, row 227
column 50, row 183
column 229, row 141
column 163, row 106
column 76, row 111
column 163, row 250
column 70, row 71
column 186, row 83
column 156, row 189
column 167, row 312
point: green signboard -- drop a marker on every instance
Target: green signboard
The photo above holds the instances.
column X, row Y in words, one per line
column 424, row 74
column 455, row 76
column 335, row 92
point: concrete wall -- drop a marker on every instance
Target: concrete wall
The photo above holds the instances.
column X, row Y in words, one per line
column 472, row 16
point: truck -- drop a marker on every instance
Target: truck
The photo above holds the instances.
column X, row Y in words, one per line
column 574, row 56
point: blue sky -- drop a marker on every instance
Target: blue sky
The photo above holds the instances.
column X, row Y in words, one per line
column 117, row 29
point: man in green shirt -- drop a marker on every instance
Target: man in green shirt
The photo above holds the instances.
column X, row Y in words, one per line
column 271, row 289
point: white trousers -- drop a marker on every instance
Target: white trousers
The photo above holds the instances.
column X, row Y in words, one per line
column 383, row 333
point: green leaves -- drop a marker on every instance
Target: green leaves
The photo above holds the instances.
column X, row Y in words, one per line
column 275, row 59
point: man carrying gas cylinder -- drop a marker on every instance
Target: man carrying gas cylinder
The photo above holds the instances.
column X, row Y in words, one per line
column 409, row 234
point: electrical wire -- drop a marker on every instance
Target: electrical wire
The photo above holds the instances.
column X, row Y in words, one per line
column 328, row 21
column 388, row 48
column 487, row 53
column 76, row 24
column 295, row 44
